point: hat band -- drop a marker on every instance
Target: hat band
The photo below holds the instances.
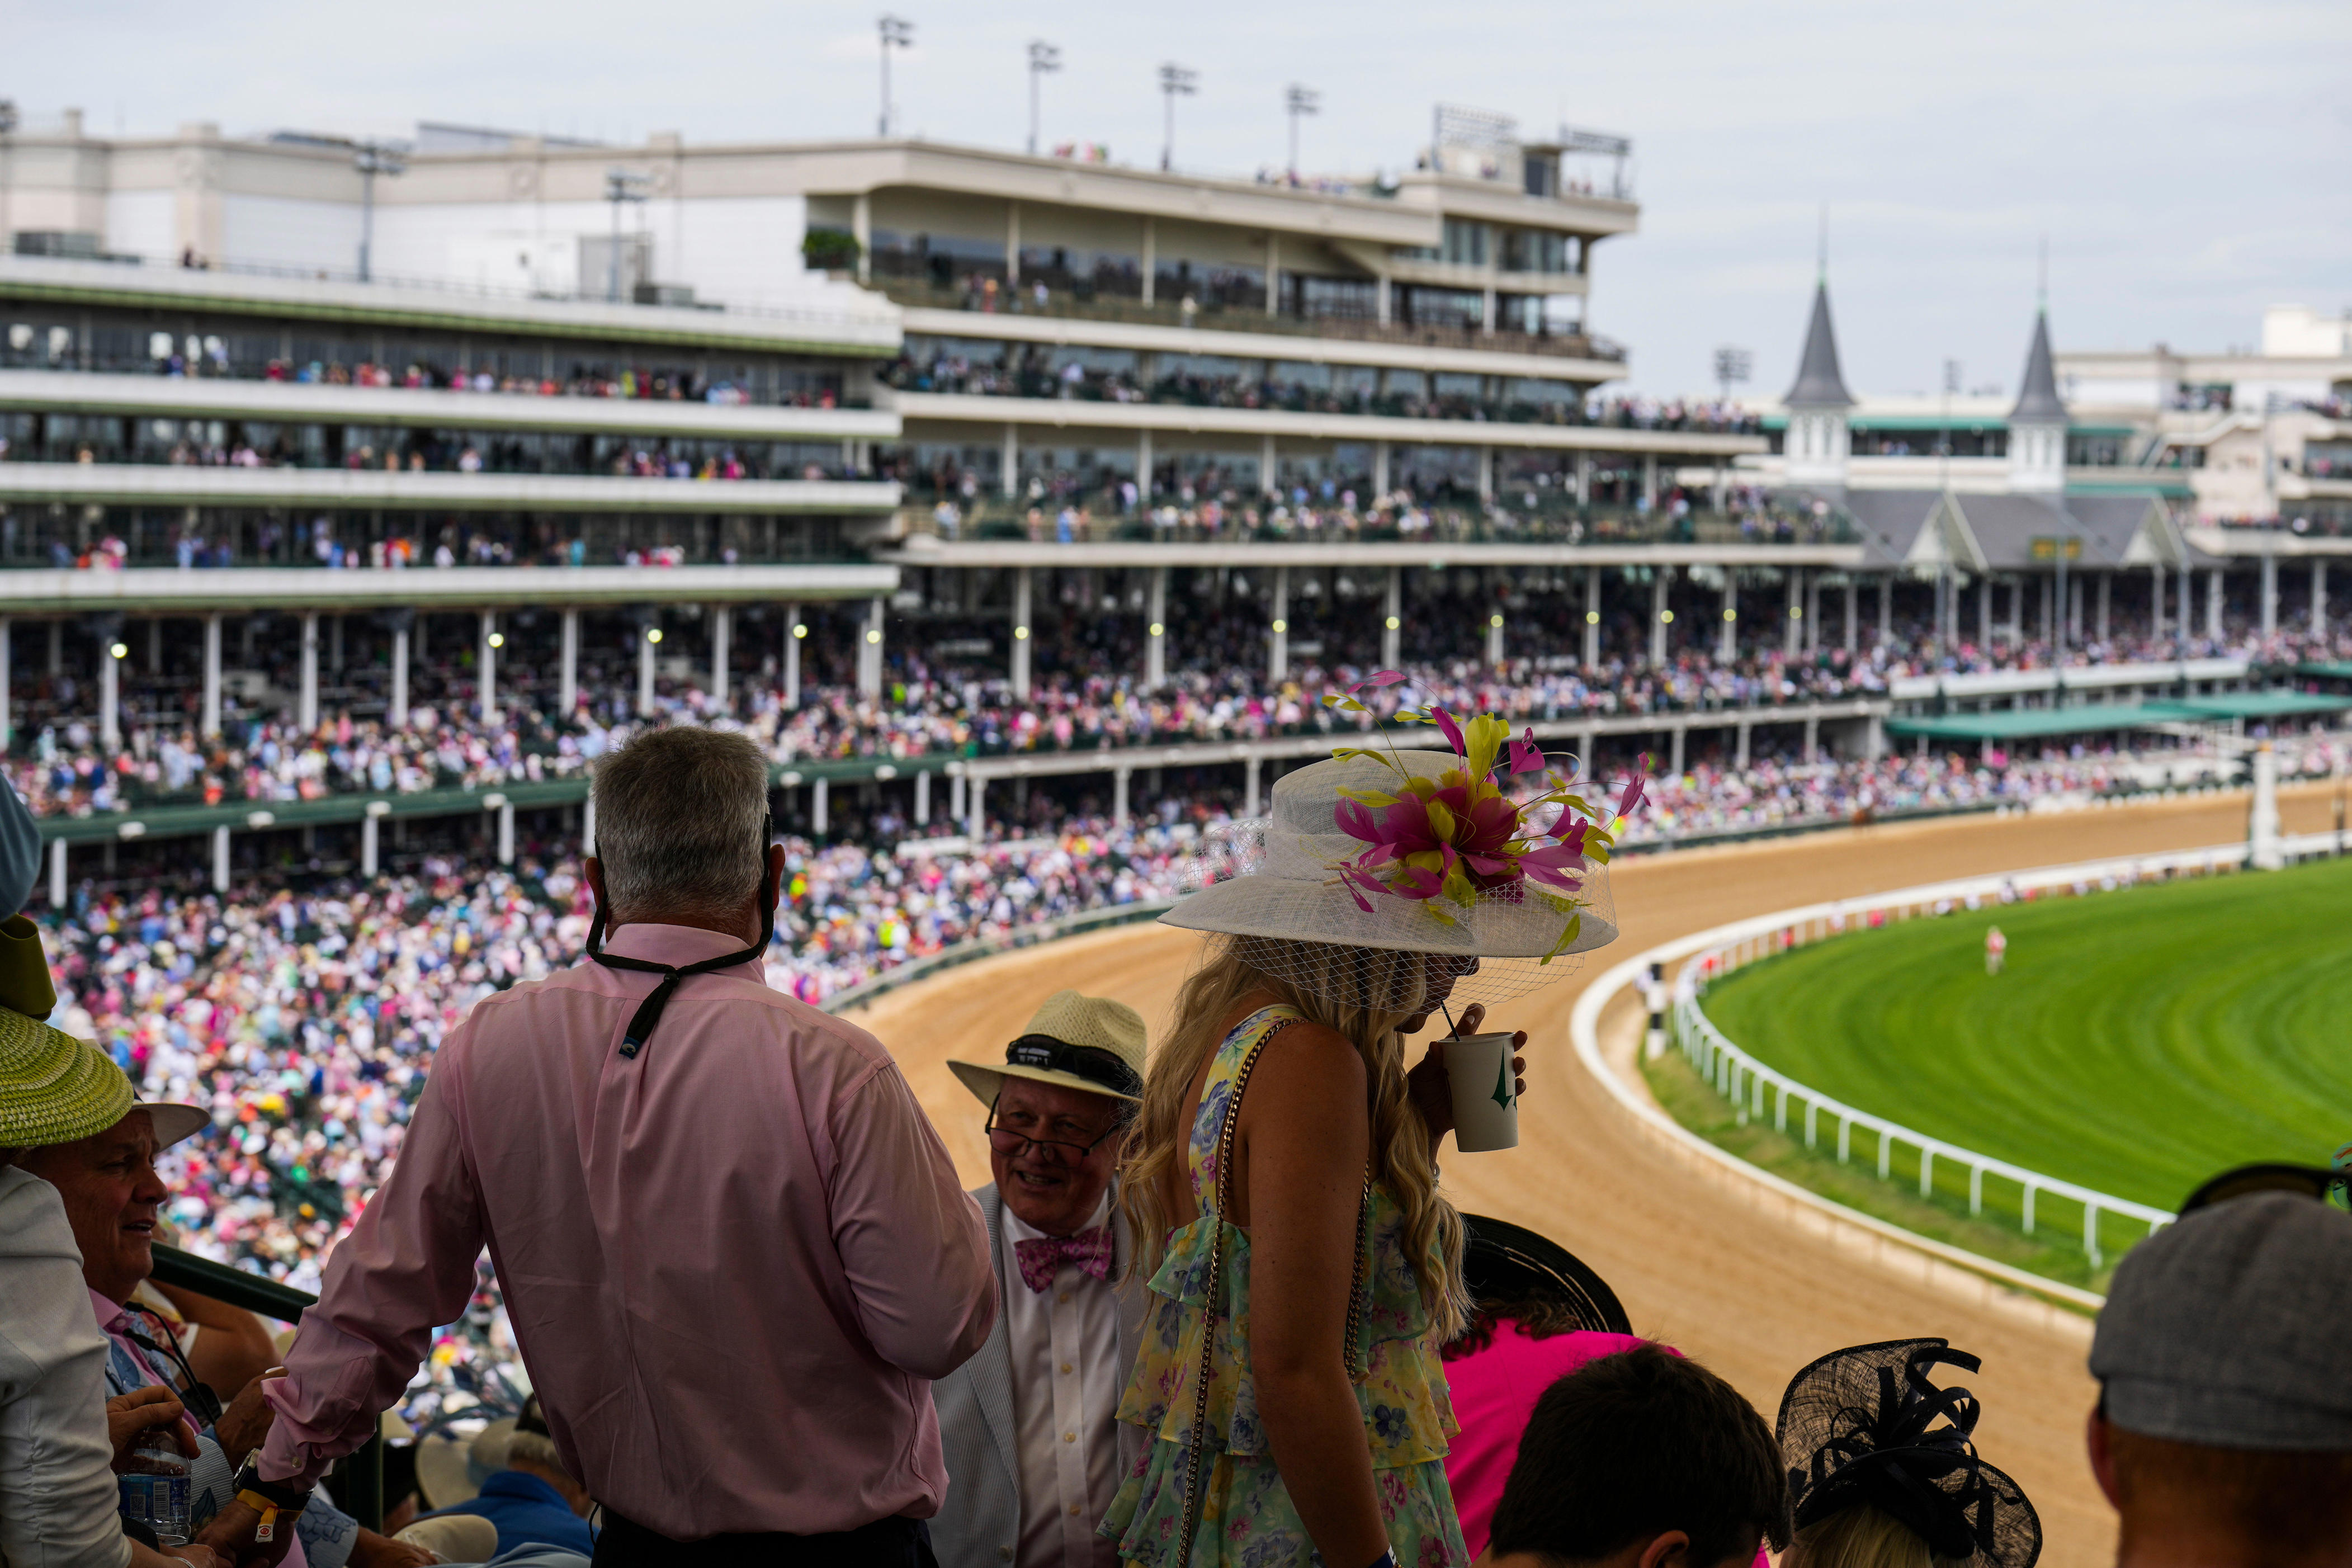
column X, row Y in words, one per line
column 1089, row 1062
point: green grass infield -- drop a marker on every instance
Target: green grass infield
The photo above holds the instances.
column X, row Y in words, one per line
column 2136, row 1042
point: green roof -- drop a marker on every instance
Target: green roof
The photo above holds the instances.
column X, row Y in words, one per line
column 2034, row 724
column 2261, row 704
column 2339, row 670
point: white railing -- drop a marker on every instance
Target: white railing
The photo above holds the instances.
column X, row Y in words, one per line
column 1740, row 1079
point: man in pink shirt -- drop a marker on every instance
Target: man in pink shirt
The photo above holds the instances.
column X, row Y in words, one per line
column 734, row 1250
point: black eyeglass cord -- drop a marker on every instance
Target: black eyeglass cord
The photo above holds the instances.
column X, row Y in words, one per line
column 649, row 1010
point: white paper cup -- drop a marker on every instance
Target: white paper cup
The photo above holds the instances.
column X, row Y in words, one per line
column 1485, row 1100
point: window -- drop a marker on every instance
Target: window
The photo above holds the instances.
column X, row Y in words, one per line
column 1466, row 242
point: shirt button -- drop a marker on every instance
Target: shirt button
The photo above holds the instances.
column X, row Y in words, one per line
column 1069, row 1436
column 1005, row 1553
column 1066, row 1366
column 1063, row 1297
column 1074, row 1508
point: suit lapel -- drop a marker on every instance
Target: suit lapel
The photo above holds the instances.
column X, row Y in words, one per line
column 992, row 1369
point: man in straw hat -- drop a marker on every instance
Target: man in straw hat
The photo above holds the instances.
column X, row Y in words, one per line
column 1035, row 1455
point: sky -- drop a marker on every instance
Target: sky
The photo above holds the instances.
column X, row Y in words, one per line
column 2187, row 164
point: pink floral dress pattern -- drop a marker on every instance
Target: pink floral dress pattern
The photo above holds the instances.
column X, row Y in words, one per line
column 1246, row 1517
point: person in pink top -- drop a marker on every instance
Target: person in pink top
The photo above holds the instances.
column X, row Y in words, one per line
column 734, row 1250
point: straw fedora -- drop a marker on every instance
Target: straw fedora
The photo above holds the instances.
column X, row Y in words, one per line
column 1087, row 1042
column 1296, row 894
column 55, row 1089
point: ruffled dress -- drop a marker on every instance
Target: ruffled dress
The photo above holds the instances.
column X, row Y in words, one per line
column 1246, row 1517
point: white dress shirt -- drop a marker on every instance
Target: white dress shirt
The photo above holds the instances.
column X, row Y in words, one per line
column 1064, row 1345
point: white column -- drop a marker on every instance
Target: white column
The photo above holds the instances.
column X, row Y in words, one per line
column 723, row 625
column 1118, row 781
column 647, row 640
column 567, row 669
column 1273, row 272
column 1155, row 641
column 1385, row 291
column 57, row 870
column 1812, row 737
column 1650, row 478
column 110, row 719
column 1813, row 611
column 306, row 715
column 975, row 800
column 1380, row 449
column 1393, row 620
column 1592, row 617
column 1852, row 594
column 955, row 792
column 396, row 711
column 1011, row 465
column 2156, row 601
column 212, row 710
column 2318, row 595
column 7, row 703
column 1265, row 479
column 220, row 860
column 1143, row 464
column 1796, row 618
column 2213, row 604
column 1886, row 608
column 869, row 662
column 1151, row 259
column 1486, row 473
column 1741, row 730
column 1660, row 616
column 2106, row 585
column 1249, row 790
column 488, row 687
column 1677, row 738
column 2188, row 609
column 1584, row 479
column 1023, row 590
column 923, row 798
column 795, row 632
column 1277, row 645
column 1727, row 642
column 819, row 797
column 506, row 832
column 368, row 844
column 1495, row 638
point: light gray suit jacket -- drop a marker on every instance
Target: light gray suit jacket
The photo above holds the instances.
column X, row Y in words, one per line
column 979, row 1524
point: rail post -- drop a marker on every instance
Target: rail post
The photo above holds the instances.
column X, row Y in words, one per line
column 1975, row 1190
column 1927, row 1170
column 2029, row 1208
column 2091, row 1232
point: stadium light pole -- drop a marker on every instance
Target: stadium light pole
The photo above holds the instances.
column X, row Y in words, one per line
column 897, row 33
column 619, row 186
column 1732, row 368
column 1043, row 60
column 372, row 158
column 1175, row 81
column 1299, row 100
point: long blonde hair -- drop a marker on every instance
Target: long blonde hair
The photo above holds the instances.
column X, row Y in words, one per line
column 1865, row 1536
column 1305, row 975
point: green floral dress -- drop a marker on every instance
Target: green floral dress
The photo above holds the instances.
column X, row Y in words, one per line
column 1246, row 1517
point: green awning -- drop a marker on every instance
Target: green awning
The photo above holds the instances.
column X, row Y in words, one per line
column 2035, row 723
column 2261, row 704
column 2339, row 670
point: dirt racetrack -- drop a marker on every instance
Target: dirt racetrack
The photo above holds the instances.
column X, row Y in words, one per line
column 1731, row 1280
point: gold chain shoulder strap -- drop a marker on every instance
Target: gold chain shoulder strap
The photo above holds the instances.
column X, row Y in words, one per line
column 1357, row 1294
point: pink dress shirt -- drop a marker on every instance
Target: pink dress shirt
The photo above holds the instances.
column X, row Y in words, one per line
column 734, row 1264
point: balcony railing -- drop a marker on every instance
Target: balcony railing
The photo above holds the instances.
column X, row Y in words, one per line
column 1083, row 303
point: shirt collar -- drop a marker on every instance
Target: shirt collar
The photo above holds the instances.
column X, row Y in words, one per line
column 518, row 1484
column 674, row 945
column 1018, row 1229
column 112, row 1318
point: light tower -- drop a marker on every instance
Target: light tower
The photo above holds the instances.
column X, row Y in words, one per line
column 1298, row 100
column 897, row 33
column 1043, row 60
column 1175, row 81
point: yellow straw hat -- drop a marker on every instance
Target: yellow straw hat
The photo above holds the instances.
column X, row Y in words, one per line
column 1087, row 1042
column 55, row 1089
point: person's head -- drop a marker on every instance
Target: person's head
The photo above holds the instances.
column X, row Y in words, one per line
column 1864, row 1537
column 2224, row 1422
column 111, row 1194
column 1321, row 980
column 1058, row 1108
column 531, row 1448
column 682, row 831
column 1642, row 1459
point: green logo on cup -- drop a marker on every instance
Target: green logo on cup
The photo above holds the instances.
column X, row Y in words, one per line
column 1503, row 1083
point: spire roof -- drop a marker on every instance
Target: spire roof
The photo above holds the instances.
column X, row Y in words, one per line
column 2038, row 399
column 1819, row 384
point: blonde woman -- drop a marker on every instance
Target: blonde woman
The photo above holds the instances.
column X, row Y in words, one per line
column 1883, row 1468
column 1282, row 1178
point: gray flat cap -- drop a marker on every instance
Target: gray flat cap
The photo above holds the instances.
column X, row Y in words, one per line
column 2233, row 1328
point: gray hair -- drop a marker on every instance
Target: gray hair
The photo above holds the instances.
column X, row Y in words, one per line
column 536, row 1450
column 681, row 822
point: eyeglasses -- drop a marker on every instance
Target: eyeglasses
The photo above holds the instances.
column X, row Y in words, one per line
column 1013, row 1144
column 2308, row 1181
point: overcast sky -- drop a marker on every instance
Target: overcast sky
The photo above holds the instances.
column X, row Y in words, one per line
column 2190, row 162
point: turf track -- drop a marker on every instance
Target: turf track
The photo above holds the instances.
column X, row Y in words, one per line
column 2136, row 1042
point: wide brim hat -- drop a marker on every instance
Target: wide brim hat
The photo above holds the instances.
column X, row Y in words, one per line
column 172, row 1122
column 1101, row 1045
column 1294, row 893
column 55, row 1089
column 1506, row 1262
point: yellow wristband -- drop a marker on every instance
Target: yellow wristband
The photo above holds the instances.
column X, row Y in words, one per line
column 270, row 1510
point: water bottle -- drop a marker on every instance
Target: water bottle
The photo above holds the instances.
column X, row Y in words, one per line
column 155, row 1485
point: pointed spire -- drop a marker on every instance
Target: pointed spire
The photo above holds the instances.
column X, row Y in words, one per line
column 1819, row 383
column 2038, row 399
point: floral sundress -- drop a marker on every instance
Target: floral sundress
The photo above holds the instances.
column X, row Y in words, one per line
column 1246, row 1517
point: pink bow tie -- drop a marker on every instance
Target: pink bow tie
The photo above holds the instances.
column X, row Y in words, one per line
column 1041, row 1259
